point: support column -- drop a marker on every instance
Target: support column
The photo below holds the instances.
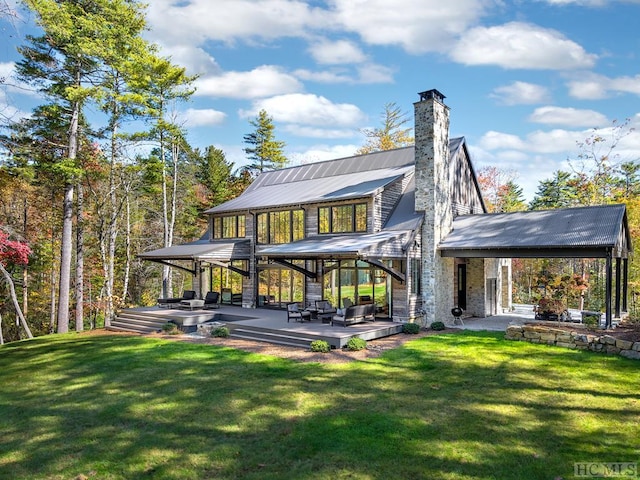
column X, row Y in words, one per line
column 618, row 281
column 608, row 293
column 625, row 284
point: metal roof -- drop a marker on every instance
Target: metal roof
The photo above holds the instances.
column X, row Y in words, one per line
column 200, row 250
column 581, row 232
column 342, row 179
column 381, row 244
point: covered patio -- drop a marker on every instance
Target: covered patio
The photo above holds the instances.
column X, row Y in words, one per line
column 583, row 232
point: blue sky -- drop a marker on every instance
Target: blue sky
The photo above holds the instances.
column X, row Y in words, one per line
column 525, row 80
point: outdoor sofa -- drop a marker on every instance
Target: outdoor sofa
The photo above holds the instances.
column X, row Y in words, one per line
column 175, row 301
column 356, row 314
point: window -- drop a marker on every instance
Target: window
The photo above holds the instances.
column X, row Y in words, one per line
column 343, row 218
column 416, row 276
column 280, row 227
column 229, row 227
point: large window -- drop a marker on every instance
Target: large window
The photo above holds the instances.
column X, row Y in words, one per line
column 280, row 227
column 416, row 276
column 343, row 218
column 232, row 226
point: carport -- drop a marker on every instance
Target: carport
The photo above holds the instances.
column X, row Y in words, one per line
column 582, row 232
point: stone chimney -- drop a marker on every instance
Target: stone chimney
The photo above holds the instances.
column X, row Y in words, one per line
column 433, row 197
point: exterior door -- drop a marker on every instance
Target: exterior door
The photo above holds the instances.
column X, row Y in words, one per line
column 462, row 286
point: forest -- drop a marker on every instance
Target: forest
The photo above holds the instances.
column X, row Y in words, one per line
column 103, row 170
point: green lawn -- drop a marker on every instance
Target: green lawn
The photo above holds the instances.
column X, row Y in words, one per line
column 453, row 406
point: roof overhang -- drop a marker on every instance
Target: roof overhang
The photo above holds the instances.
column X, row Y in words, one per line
column 217, row 252
column 585, row 232
column 372, row 248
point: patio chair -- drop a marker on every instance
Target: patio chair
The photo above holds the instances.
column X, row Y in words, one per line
column 212, row 300
column 175, row 301
column 294, row 313
column 346, row 302
column 324, row 306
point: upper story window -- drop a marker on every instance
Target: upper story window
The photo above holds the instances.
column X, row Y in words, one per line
column 280, row 227
column 232, row 226
column 343, row 218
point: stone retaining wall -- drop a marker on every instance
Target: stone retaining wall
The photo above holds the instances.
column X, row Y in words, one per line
column 577, row 339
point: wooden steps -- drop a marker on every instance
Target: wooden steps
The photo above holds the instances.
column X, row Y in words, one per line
column 139, row 322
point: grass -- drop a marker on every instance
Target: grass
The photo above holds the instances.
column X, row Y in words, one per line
column 453, row 406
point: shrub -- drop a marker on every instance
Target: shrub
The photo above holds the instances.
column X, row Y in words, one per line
column 592, row 322
column 356, row 344
column 437, row 326
column 320, row 346
column 170, row 328
column 220, row 332
column 412, row 328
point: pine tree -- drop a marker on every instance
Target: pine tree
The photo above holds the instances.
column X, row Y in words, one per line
column 391, row 135
column 264, row 151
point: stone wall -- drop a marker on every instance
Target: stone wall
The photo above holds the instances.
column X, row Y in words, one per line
column 580, row 338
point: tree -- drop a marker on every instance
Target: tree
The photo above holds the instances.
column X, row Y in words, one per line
column 499, row 190
column 15, row 253
column 264, row 151
column 391, row 135
column 557, row 192
column 64, row 63
column 213, row 171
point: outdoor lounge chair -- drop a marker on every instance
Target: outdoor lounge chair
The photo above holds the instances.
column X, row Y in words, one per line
column 355, row 314
column 212, row 300
column 175, row 301
column 325, row 311
column 294, row 313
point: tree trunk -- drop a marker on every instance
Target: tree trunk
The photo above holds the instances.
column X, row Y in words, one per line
column 14, row 299
column 80, row 261
column 127, row 241
column 1, row 337
column 65, row 260
column 66, row 246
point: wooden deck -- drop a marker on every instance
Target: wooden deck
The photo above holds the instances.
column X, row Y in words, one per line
column 254, row 324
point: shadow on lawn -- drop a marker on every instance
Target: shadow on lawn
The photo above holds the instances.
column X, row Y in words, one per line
column 447, row 406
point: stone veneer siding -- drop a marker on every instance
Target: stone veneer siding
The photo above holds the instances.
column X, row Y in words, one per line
column 433, row 197
column 580, row 339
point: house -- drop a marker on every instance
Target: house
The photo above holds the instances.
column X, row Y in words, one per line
column 383, row 227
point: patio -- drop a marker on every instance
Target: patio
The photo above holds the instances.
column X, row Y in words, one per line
column 254, row 324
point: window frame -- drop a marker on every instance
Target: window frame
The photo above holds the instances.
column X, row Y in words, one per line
column 290, row 223
column 331, row 217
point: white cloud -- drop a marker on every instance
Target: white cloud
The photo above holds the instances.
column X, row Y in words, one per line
column 262, row 81
column 417, row 26
column 368, row 73
column 493, row 140
column 571, row 117
column 594, row 87
column 328, row 52
column 194, row 59
column 520, row 45
column 196, row 21
column 314, row 132
column 200, row 117
column 320, row 153
column 520, row 93
column 308, row 109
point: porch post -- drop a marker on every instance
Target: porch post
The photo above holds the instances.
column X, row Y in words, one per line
column 609, row 289
column 618, row 281
column 625, row 282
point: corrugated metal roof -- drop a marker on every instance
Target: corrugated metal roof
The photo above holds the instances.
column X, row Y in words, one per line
column 200, row 250
column 381, row 244
column 599, row 226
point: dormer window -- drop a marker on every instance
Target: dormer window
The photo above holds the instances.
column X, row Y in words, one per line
column 232, row 226
column 343, row 218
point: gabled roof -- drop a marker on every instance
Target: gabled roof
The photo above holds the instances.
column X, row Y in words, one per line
column 347, row 178
column 586, row 232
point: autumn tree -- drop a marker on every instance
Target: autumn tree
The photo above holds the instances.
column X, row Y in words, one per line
column 13, row 253
column 263, row 150
column 64, row 63
column 214, row 173
column 392, row 134
column 499, row 190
